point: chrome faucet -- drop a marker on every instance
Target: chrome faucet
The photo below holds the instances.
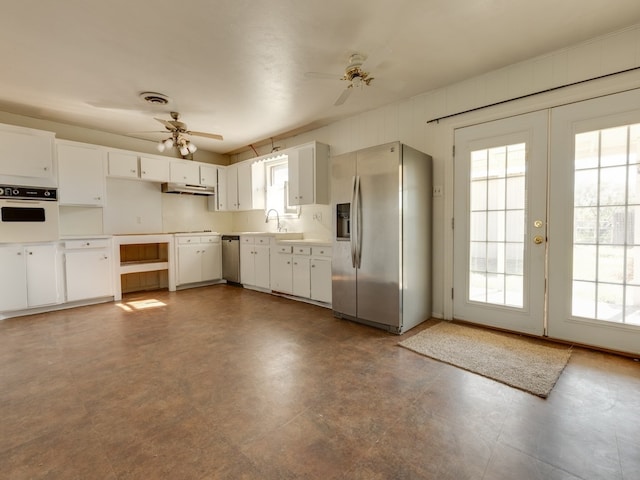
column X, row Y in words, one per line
column 266, row 220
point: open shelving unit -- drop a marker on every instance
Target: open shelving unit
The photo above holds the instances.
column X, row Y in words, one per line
column 137, row 254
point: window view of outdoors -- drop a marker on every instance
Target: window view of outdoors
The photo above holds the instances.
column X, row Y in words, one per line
column 497, row 225
column 606, row 225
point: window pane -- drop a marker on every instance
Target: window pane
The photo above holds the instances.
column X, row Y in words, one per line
column 479, row 195
column 613, row 182
column 613, row 146
column 478, row 226
column 496, row 194
column 479, row 164
column 585, row 189
column 586, row 150
column 515, row 226
column 495, row 226
column 515, row 192
column 584, row 262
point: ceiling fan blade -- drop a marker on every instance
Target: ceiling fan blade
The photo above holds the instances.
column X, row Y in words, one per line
column 167, row 124
column 343, row 97
column 322, row 76
column 147, row 132
column 215, row 136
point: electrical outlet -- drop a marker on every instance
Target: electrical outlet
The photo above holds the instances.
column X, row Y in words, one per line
column 317, row 216
column 437, row 190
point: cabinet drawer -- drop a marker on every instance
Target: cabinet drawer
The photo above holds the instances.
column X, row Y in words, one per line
column 249, row 240
column 187, row 240
column 321, row 251
column 210, row 239
column 301, row 250
column 262, row 240
column 283, row 249
column 86, row 243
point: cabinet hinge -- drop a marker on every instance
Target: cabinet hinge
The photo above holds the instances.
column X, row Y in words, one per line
column 453, row 223
column 453, row 151
column 452, row 294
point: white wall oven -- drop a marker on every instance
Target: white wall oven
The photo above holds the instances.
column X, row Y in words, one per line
column 28, row 214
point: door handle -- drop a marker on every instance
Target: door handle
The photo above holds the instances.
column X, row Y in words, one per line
column 538, row 239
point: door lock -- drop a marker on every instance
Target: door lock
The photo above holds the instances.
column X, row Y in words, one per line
column 538, row 239
column 537, row 223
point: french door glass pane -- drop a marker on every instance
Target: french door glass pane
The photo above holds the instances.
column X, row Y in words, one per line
column 606, row 225
column 497, row 225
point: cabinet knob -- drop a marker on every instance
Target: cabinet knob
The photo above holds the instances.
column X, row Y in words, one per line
column 313, row 266
column 144, row 172
column 19, row 253
column 132, row 171
column 30, row 253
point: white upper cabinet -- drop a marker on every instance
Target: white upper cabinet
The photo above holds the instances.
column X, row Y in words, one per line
column 309, row 174
column 239, row 192
column 125, row 164
column 184, row 171
column 208, row 175
column 221, row 189
column 122, row 164
column 81, row 179
column 25, row 152
column 154, row 169
column 245, row 188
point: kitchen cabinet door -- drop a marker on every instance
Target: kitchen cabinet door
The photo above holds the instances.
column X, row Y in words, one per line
column 81, row 175
column 308, row 174
column 189, row 264
column 321, row 280
column 247, row 264
column 42, row 275
column 211, row 261
column 301, row 276
column 244, row 188
column 184, row 171
column 221, row 192
column 13, row 281
column 282, row 273
column 89, row 274
column 154, row 169
column 122, row 164
column 26, row 153
column 208, row 175
column 262, row 271
column 232, row 187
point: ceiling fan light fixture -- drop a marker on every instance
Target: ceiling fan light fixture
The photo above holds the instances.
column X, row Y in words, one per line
column 160, row 146
column 168, row 143
column 191, row 147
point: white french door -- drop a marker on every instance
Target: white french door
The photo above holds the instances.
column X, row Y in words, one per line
column 594, row 222
column 561, row 257
column 500, row 223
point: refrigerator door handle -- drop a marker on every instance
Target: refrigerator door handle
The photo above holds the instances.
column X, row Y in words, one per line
column 352, row 239
column 358, row 227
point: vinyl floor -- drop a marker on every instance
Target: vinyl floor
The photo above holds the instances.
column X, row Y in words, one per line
column 225, row 383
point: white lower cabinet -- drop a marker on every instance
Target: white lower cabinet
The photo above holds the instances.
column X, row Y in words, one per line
column 282, row 270
column 254, row 261
column 88, row 269
column 30, row 275
column 320, row 276
column 302, row 270
column 199, row 259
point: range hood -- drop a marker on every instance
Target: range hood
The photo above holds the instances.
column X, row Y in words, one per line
column 185, row 188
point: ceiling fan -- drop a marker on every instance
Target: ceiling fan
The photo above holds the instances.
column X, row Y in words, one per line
column 178, row 130
column 354, row 74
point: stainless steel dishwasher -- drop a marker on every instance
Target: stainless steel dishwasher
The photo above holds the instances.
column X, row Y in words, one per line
column 231, row 258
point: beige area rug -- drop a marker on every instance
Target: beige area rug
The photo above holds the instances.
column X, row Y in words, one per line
column 520, row 362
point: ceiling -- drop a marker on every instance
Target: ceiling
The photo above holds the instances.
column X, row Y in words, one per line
column 238, row 67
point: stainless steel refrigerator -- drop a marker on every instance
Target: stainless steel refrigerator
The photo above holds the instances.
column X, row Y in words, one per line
column 381, row 266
